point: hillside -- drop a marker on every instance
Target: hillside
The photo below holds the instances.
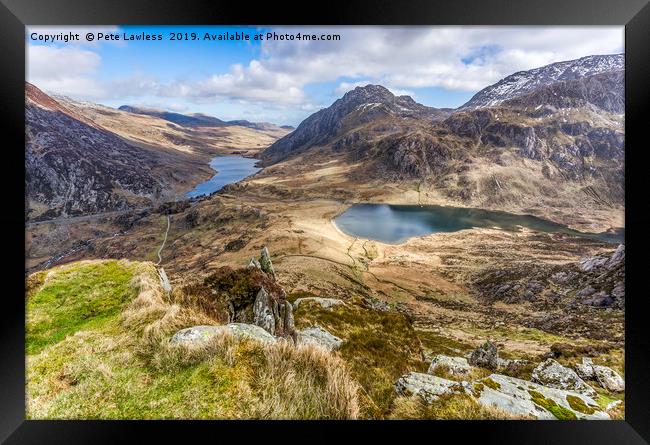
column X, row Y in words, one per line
column 83, row 158
column 553, row 140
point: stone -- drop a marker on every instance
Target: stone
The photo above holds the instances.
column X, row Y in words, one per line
column 265, row 262
column 585, row 369
column 485, row 356
column 552, row 374
column 613, row 405
column 609, row 379
column 319, row 336
column 325, row 303
column 428, row 387
column 454, row 365
column 617, row 257
column 253, row 263
column 197, row 335
column 263, row 315
column 599, row 299
column 164, row 280
column 590, row 263
column 527, row 399
column 511, row 365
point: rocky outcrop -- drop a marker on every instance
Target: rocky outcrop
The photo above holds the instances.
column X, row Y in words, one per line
column 325, row 303
column 319, row 336
column 265, row 262
column 605, row 376
column 427, row 386
column 485, row 356
column 198, row 335
column 552, row 374
column 453, row 365
column 522, row 398
column 274, row 315
column 514, row 397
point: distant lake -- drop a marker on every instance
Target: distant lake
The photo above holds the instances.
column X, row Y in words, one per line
column 394, row 224
column 230, row 169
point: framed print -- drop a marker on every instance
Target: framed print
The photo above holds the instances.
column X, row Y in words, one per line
column 377, row 218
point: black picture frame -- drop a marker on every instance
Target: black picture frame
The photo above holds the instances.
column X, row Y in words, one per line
column 15, row 14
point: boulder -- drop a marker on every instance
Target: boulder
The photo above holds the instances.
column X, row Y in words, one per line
column 586, row 369
column 454, row 365
column 427, row 386
column 325, row 303
column 265, row 262
column 609, row 379
column 485, row 356
column 527, row 399
column 319, row 336
column 197, row 335
column 552, row 374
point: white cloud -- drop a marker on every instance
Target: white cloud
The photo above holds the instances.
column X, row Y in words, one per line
column 401, row 58
column 66, row 70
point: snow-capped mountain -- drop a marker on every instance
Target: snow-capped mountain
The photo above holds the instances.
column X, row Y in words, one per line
column 524, row 82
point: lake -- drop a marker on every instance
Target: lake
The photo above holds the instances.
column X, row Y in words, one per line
column 230, row 169
column 394, row 224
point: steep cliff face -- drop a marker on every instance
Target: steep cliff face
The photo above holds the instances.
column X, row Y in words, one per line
column 74, row 167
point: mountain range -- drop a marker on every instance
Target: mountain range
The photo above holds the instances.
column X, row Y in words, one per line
column 551, row 135
column 546, row 137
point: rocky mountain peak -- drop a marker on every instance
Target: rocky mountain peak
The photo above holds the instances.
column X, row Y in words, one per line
column 525, row 82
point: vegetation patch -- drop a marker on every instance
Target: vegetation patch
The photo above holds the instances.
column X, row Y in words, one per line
column 447, row 407
column 379, row 347
column 491, row 383
column 577, row 404
column 560, row 412
column 76, row 296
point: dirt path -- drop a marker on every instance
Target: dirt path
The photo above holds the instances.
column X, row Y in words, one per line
column 164, row 240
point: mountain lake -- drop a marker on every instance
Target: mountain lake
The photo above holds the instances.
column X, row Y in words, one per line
column 230, row 169
column 394, row 224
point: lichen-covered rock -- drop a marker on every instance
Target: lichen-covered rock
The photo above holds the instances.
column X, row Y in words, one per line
column 427, row 386
column 319, row 336
column 522, row 398
column 485, row 356
column 253, row 263
column 609, row 379
column 454, row 365
column 552, row 374
column 263, row 311
column 265, row 262
column 197, row 335
column 325, row 303
column 586, row 369
column 511, row 365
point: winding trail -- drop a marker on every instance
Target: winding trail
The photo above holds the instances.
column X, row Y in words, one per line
column 164, row 240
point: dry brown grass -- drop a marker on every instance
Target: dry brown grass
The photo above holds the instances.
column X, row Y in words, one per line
column 451, row 407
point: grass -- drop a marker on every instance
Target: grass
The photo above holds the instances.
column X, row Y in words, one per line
column 76, row 297
column 124, row 367
column 560, row 412
column 446, row 408
column 378, row 347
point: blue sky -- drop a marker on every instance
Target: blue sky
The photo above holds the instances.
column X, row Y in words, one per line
column 285, row 81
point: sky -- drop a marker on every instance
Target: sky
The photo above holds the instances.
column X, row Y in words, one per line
column 284, row 81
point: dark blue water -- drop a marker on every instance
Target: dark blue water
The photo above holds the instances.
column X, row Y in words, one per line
column 394, row 224
column 229, row 169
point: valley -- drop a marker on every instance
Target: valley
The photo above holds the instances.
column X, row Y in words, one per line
column 534, row 294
